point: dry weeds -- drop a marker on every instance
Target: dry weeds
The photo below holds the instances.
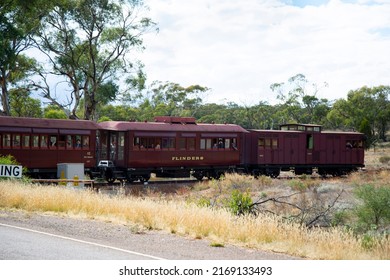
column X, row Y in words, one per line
column 265, row 232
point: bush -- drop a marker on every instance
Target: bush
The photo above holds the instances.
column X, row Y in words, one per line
column 374, row 210
column 8, row 160
column 241, row 203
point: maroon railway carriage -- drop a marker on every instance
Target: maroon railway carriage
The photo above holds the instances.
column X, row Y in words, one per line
column 40, row 144
column 302, row 148
column 171, row 147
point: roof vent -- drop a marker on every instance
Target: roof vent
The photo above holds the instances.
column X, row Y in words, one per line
column 175, row 120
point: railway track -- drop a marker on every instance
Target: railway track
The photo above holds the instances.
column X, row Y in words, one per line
column 171, row 185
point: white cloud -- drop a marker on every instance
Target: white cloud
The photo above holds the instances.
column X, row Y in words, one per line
column 239, row 48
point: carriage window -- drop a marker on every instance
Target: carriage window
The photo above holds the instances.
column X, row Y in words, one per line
column 136, row 143
column 268, row 143
column 261, row 142
column 85, row 143
column 202, row 144
column 121, row 146
column 113, row 146
column 143, row 144
column 43, row 141
column 209, row 143
column 309, row 142
column 26, row 141
column 190, row 143
column 69, row 142
column 7, row 140
column 274, row 143
column 61, row 142
column 234, row 144
column 182, row 144
column 35, row 141
column 168, row 143
column 53, row 141
column 77, row 142
column 187, row 143
column 217, row 143
column 103, row 143
column 16, row 141
column 227, row 143
column 353, row 144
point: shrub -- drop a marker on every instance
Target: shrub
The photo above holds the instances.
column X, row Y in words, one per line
column 374, row 210
column 8, row 160
column 240, row 203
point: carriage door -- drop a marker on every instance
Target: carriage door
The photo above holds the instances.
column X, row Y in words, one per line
column 291, row 148
column 309, row 148
column 116, row 148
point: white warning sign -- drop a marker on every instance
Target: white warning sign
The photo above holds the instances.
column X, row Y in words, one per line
column 14, row 171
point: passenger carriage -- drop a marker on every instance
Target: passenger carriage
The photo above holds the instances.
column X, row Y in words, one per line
column 40, row 144
column 172, row 147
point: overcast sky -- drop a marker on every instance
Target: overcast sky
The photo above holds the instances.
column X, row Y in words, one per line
column 238, row 48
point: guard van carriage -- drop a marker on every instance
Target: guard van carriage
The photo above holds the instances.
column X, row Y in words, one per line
column 303, row 148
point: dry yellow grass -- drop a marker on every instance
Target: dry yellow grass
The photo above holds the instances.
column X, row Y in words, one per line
column 262, row 232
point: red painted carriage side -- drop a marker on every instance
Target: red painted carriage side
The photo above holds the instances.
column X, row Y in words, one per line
column 173, row 143
column 303, row 147
column 40, row 144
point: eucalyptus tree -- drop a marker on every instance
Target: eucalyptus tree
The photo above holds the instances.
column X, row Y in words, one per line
column 89, row 44
column 366, row 110
column 299, row 101
column 23, row 105
column 19, row 19
column 170, row 99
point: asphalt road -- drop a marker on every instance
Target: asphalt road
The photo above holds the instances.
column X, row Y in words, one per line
column 38, row 236
column 18, row 243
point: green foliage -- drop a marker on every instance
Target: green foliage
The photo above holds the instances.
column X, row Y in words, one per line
column 374, row 209
column 17, row 24
column 8, row 160
column 104, row 119
column 240, row 203
column 22, row 105
column 303, row 184
column 366, row 110
column 340, row 218
column 204, row 202
column 89, row 43
column 368, row 241
column 55, row 114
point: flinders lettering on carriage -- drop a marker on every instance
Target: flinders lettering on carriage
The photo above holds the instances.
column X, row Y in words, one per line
column 192, row 158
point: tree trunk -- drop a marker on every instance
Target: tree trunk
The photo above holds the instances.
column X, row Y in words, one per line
column 4, row 96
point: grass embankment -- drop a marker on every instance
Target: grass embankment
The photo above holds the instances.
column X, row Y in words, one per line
column 218, row 226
